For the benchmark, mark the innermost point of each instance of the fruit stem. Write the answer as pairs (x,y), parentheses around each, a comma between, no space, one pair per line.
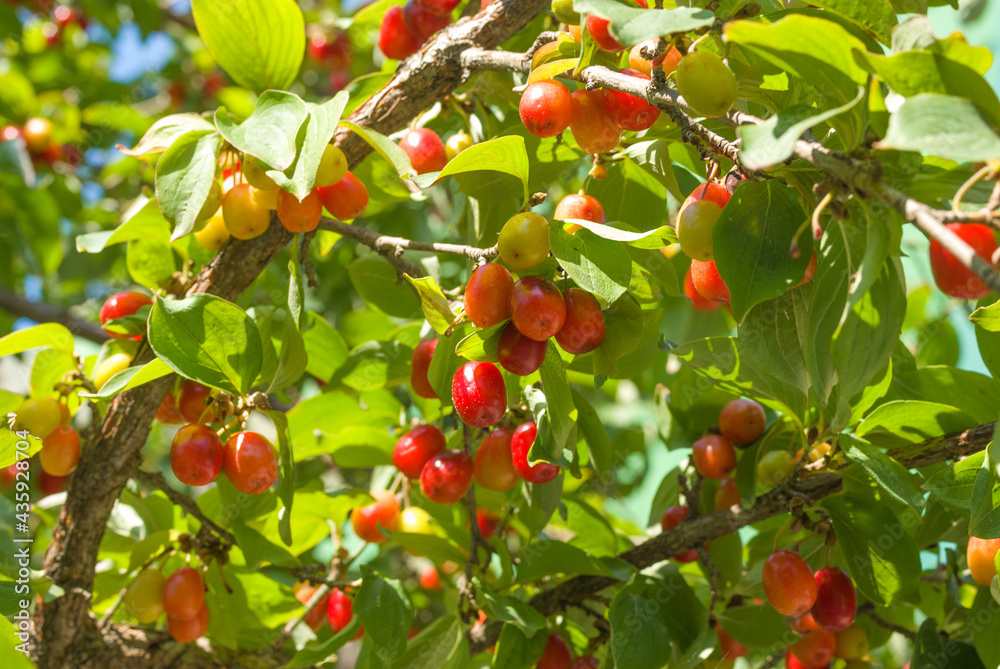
(986,172)
(818,211)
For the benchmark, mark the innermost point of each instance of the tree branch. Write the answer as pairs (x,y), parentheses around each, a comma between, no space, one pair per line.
(40,312)
(157,481)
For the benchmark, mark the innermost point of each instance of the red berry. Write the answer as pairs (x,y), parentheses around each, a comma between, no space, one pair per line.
(440,6)
(583,329)
(487,522)
(169,412)
(951,276)
(742,422)
(697,301)
(416,447)
(546,108)
(196,455)
(420,362)
(193,405)
(557,654)
(814,650)
(520,445)
(422,22)
(519,354)
(714,457)
(788,583)
(599,29)
(185,631)
(709,191)
(339,610)
(594,130)
(120,306)
(729,646)
(9,133)
(579,206)
(447,477)
(49,484)
(487,295)
(628,111)
(368,521)
(672,517)
(430,579)
(60,451)
(706,280)
(316,617)
(537,307)
(494,464)
(395,39)
(346,199)
(425,150)
(184,594)
(479,394)
(299,216)
(726,495)
(836,599)
(250,463)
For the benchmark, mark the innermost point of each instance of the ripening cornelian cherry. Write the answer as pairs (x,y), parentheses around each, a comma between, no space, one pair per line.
(697,301)
(557,654)
(815,649)
(316,617)
(520,444)
(250,463)
(852,643)
(726,495)
(120,306)
(196,455)
(185,631)
(950,275)
(730,647)
(420,362)
(339,610)
(395,39)
(546,108)
(599,29)
(422,22)
(742,421)
(584,327)
(416,447)
(60,451)
(695,227)
(479,394)
(709,191)
(668,59)
(494,464)
(836,599)
(788,583)
(579,206)
(244,218)
(980,554)
(714,457)
(194,402)
(383,514)
(628,111)
(488,522)
(169,412)
(672,517)
(594,130)
(346,199)
(299,216)
(184,594)
(144,598)
(430,579)
(443,7)
(523,241)
(707,282)
(425,150)
(537,308)
(518,354)
(447,477)
(487,295)
(706,83)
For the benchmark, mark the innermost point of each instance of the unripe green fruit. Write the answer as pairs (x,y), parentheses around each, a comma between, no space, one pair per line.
(524,240)
(563,10)
(695,225)
(706,83)
(774,467)
(212,203)
(144,597)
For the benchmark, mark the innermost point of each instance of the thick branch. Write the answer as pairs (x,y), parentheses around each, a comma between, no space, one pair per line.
(46,313)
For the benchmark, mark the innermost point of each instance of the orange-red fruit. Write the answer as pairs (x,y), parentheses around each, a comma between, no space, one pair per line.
(714,457)
(169,412)
(981,554)
(346,199)
(697,301)
(707,282)
(250,463)
(420,362)
(339,610)
(487,295)
(594,130)
(726,495)
(788,583)
(369,520)
(584,327)
(520,445)
(518,354)
(184,594)
(60,451)
(951,276)
(494,464)
(628,111)
(599,30)
(836,600)
(421,22)
(487,522)
(425,150)
(192,403)
(815,649)
(668,59)
(315,618)
(416,447)
(730,647)
(395,39)
(185,631)
(447,477)
(672,517)
(537,308)
(479,394)
(299,216)
(196,455)
(810,271)
(579,206)
(546,108)
(742,422)
(429,577)
(557,654)
(709,191)
(120,306)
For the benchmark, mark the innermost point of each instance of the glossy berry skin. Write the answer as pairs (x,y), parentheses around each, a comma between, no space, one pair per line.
(250,463)
(537,308)
(672,517)
(39,417)
(395,39)
(594,130)
(457,143)
(789,583)
(714,457)
(579,206)
(494,464)
(244,218)
(487,295)
(416,447)
(420,362)
(214,234)
(488,522)
(169,412)
(668,60)
(836,599)
(707,282)
(184,594)
(518,354)
(742,422)
(726,495)
(697,301)
(109,367)
(144,597)
(425,150)
(383,514)
(729,646)
(950,275)
(695,225)
(599,30)
(774,467)
(185,631)
(557,654)
(299,216)
(447,477)
(546,108)
(479,394)
(706,83)
(815,649)
(196,455)
(524,240)
(421,22)
(415,521)
(520,444)
(628,111)
(584,327)
(192,403)
(60,451)
(339,610)
(346,199)
(120,306)
(981,554)
(440,6)
(852,643)
(332,167)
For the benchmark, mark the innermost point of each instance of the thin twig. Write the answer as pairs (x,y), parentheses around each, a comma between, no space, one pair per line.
(869,610)
(41,312)
(475,537)
(157,481)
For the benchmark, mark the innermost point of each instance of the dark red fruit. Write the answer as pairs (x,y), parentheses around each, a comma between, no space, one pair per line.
(706,280)
(120,306)
(672,517)
(494,464)
(339,610)
(788,583)
(583,329)
(585,662)
(487,295)
(546,108)
(196,455)
(346,199)
(479,394)
(420,362)
(537,307)
(836,599)
(520,445)
(425,150)
(440,6)
(714,457)
(729,646)
(447,477)
(422,22)
(250,462)
(951,276)
(519,354)
(192,403)
(487,522)
(416,447)
(557,654)
(395,39)
(628,111)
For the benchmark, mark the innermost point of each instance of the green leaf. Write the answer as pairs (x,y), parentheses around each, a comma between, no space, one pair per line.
(755,626)
(909,422)
(640,640)
(132,377)
(987,636)
(953,486)
(876,16)
(623,322)
(184,176)
(383,146)
(326,349)
(632,25)
(437,309)
(595,434)
(259,43)
(549,557)
(376,282)
(481,344)
(558,398)
(385,611)
(9,642)
(435,646)
(150,262)
(650,239)
(145,223)
(313,138)
(944,126)
(653,156)
(881,557)
(503,154)
(515,650)
(752,239)
(976,394)
(984,520)
(889,474)
(375,364)
(540,502)
(46,335)
(207,339)
(162,134)
(271,131)
(934,650)
(510,610)
(286,489)
(293,359)
(769,335)
(9,451)
(316,654)
(988,317)
(597,265)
